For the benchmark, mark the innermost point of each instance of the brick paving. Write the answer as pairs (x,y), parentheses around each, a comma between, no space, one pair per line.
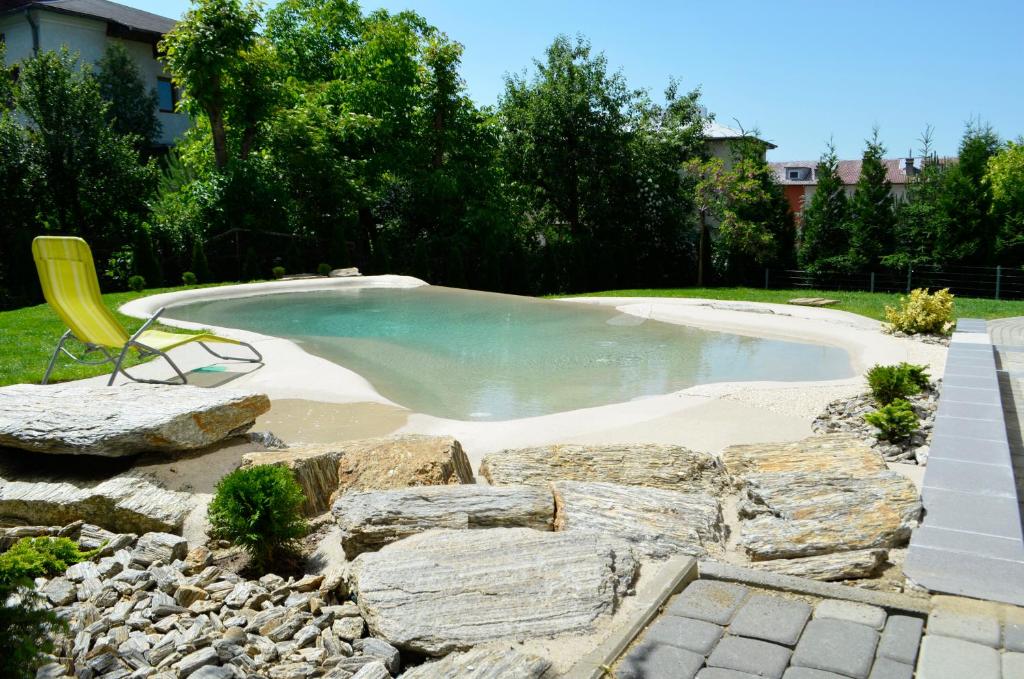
(724,630)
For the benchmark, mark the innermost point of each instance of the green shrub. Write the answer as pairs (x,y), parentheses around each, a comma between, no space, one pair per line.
(324,269)
(188,278)
(28,627)
(278,271)
(891,382)
(137,283)
(31,558)
(895,421)
(260,510)
(922,312)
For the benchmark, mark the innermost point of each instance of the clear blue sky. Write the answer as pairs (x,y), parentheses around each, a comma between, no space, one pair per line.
(799,70)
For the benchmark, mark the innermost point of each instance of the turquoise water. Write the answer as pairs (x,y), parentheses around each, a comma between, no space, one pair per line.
(481,356)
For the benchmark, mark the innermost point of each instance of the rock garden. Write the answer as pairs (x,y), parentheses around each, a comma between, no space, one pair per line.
(391,557)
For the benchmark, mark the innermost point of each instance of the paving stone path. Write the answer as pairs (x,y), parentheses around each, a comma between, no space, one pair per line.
(724,630)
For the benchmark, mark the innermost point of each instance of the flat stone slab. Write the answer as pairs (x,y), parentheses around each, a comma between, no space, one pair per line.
(838,646)
(856,563)
(979,629)
(947,658)
(851,611)
(771,618)
(75,419)
(886,668)
(371,519)
(901,639)
(751,656)
(813,301)
(449,590)
(709,600)
(831,453)
(799,514)
(656,466)
(693,635)
(651,660)
(658,523)
(123,503)
(482,663)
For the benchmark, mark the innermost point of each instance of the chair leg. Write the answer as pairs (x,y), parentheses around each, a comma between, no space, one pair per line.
(53,359)
(181,375)
(258,359)
(117,365)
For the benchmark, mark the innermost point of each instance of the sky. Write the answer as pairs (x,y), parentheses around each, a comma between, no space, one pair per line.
(799,71)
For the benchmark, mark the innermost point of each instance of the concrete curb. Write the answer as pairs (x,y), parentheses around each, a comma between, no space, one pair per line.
(674,576)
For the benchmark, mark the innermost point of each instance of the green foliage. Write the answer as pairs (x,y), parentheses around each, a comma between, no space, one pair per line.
(923,312)
(137,283)
(31,558)
(324,269)
(200,267)
(259,509)
(189,278)
(278,272)
(145,263)
(871,210)
(131,107)
(823,236)
(889,383)
(28,627)
(895,421)
(1005,176)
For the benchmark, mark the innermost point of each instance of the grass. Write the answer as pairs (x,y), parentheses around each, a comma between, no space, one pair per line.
(31,333)
(870,304)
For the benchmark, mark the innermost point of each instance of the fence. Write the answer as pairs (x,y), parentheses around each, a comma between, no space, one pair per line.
(995,282)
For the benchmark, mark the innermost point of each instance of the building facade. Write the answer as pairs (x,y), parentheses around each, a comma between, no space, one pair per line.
(28,27)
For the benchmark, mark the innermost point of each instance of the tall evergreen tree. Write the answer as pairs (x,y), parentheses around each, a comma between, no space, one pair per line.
(871,210)
(970,231)
(131,107)
(920,217)
(824,236)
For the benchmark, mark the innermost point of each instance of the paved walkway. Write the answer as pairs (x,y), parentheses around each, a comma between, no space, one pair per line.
(724,630)
(1008,339)
(970,541)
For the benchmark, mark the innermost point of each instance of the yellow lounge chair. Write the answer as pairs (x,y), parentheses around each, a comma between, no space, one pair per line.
(70,286)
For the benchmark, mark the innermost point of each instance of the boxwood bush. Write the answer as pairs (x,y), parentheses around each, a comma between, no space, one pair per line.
(891,382)
(895,421)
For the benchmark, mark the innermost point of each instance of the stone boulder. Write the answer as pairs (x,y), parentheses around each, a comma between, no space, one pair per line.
(657,466)
(327,470)
(123,503)
(450,590)
(371,519)
(657,523)
(77,419)
(801,514)
(858,563)
(830,453)
(482,663)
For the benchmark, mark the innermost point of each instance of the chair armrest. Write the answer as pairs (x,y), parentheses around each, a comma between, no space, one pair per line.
(149,322)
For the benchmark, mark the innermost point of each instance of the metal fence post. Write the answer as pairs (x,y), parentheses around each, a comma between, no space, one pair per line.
(910,270)
(872,281)
(766,279)
(999,277)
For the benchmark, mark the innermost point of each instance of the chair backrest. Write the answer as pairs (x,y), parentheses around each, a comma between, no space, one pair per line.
(68,277)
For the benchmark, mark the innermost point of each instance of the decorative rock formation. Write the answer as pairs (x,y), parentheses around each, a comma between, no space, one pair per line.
(449,590)
(482,663)
(371,519)
(657,523)
(859,563)
(76,419)
(831,454)
(656,466)
(123,503)
(329,469)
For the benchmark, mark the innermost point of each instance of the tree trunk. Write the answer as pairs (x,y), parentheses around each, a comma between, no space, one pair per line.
(220,137)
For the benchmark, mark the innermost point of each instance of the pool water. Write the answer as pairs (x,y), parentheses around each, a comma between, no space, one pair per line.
(481,356)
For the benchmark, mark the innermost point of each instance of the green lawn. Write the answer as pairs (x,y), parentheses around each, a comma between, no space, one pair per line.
(30,334)
(871,304)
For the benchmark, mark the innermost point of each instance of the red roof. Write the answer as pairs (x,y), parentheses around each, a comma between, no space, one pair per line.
(849,170)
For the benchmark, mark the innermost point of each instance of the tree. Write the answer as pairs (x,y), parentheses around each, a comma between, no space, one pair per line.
(1005,178)
(824,236)
(970,232)
(921,216)
(131,108)
(871,209)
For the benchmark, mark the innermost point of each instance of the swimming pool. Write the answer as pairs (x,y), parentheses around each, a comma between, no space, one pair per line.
(472,355)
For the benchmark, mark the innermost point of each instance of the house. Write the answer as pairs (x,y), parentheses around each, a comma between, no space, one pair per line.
(799,178)
(721,139)
(28,27)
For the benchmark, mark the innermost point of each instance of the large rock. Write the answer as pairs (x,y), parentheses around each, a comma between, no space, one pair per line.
(807,513)
(449,590)
(76,419)
(859,563)
(371,519)
(327,470)
(657,523)
(657,466)
(483,663)
(830,453)
(123,503)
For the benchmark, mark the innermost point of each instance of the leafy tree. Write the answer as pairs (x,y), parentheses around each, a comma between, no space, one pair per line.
(1005,177)
(871,209)
(310,34)
(131,107)
(823,236)
(145,262)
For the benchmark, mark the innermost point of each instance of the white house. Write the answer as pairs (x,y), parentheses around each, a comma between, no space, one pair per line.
(721,139)
(87,27)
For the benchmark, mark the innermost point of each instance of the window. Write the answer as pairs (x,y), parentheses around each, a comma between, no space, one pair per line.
(166,95)
(794,174)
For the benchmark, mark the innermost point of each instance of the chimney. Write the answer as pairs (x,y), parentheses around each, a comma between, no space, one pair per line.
(908,166)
